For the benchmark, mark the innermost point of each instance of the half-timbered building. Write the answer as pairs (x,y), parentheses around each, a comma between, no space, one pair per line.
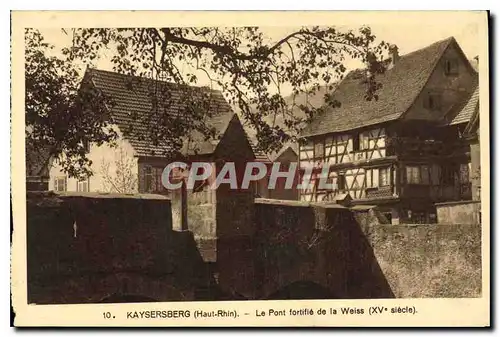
(404,151)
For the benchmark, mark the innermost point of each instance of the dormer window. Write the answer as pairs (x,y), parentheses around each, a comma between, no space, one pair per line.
(433,101)
(451,67)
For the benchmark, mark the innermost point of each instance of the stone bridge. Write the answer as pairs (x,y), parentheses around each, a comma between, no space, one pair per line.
(298,250)
(101,248)
(92,248)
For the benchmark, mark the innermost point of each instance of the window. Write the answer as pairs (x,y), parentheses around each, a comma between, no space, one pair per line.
(464,174)
(152,179)
(60,184)
(433,101)
(159,183)
(319,149)
(418,174)
(82,186)
(364,141)
(451,67)
(424,174)
(369,178)
(372,178)
(355,142)
(412,175)
(448,175)
(341,181)
(384,176)
(148,178)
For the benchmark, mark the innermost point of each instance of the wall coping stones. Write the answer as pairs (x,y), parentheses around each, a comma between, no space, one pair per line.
(459,202)
(98,195)
(295,203)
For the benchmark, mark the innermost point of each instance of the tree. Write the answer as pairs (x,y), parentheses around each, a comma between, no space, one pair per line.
(240,61)
(122,177)
(60,118)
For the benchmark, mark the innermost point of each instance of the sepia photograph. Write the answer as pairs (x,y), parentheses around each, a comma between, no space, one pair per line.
(254,162)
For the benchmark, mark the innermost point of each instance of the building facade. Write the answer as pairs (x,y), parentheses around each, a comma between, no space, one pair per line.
(404,151)
(136,163)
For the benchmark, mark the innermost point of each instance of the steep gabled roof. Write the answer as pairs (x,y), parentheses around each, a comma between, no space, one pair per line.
(133,102)
(401,84)
(252,139)
(293,146)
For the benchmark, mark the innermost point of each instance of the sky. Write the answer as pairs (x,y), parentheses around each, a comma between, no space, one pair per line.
(408,35)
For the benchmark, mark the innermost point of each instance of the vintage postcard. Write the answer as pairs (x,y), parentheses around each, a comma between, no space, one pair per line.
(250,169)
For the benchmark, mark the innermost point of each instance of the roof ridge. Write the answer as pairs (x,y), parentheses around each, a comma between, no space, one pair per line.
(110,83)
(447,40)
(401,85)
(402,56)
(91,70)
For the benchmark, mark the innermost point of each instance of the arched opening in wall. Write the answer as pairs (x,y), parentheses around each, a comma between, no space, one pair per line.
(127,298)
(301,290)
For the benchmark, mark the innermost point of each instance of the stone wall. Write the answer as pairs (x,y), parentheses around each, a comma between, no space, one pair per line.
(475,173)
(429,260)
(235,233)
(459,212)
(297,242)
(83,248)
(90,248)
(349,257)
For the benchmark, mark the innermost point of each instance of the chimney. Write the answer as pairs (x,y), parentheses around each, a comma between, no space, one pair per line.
(394,55)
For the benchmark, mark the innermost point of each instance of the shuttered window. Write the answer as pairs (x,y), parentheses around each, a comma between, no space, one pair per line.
(152,179)
(60,184)
(82,186)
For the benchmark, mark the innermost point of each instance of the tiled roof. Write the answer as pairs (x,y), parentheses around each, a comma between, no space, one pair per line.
(133,102)
(252,139)
(466,109)
(472,128)
(400,86)
(288,145)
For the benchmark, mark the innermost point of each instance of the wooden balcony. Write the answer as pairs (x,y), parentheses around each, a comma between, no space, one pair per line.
(437,193)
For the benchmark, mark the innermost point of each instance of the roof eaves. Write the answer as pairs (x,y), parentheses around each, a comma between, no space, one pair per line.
(373,122)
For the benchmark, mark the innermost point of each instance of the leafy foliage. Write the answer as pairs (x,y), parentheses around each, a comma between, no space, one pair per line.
(61,118)
(250,70)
